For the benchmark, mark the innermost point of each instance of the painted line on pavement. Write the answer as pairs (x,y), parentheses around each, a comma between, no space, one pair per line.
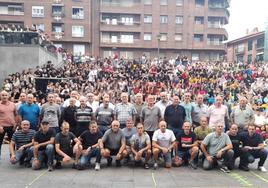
(32,182)
(260,177)
(241,179)
(153,179)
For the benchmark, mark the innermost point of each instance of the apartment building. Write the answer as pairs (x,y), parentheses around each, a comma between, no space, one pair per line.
(129,28)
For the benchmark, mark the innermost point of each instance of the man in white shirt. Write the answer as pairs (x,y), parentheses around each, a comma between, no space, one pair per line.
(164,141)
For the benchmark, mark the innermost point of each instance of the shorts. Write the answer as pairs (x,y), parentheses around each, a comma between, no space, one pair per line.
(184,155)
(113,152)
(167,158)
(69,153)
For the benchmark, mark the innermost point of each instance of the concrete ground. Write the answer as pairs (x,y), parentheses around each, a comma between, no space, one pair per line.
(14,176)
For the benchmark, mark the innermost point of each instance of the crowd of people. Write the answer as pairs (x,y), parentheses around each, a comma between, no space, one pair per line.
(171,111)
(17,34)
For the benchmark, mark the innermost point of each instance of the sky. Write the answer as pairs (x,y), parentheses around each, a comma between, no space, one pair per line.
(246,14)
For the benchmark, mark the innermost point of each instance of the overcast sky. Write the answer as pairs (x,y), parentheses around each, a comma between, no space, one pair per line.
(246,14)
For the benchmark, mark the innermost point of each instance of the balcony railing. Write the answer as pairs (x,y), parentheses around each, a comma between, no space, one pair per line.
(119,41)
(120,23)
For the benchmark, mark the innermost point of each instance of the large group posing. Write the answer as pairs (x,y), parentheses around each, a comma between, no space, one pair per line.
(168,113)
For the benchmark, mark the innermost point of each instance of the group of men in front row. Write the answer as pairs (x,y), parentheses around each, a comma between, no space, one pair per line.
(41,148)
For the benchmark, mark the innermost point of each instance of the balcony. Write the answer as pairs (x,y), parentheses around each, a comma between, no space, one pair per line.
(136,43)
(12,9)
(114,7)
(219,12)
(218,31)
(57,35)
(120,27)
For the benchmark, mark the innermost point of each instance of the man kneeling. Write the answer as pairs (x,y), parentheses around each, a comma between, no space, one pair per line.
(22,141)
(112,143)
(141,145)
(163,142)
(67,146)
(90,143)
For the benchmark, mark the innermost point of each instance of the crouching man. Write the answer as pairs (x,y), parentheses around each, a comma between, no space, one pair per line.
(217,148)
(163,142)
(141,145)
(21,149)
(113,143)
(90,144)
(44,147)
(67,146)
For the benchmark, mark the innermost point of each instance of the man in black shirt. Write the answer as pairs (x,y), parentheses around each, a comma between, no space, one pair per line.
(253,148)
(187,147)
(236,140)
(175,115)
(68,115)
(43,146)
(67,145)
(90,145)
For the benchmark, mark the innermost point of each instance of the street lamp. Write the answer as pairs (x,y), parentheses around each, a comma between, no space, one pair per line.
(158,46)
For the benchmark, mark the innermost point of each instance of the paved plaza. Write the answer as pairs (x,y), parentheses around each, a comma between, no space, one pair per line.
(126,177)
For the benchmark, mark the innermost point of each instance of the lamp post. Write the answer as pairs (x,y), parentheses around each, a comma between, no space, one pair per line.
(158,46)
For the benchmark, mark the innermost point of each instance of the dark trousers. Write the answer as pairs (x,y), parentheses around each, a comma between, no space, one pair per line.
(9,131)
(249,156)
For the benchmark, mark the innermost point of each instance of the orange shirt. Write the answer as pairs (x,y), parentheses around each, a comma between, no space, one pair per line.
(8,113)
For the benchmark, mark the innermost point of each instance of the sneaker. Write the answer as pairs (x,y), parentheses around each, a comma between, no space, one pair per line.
(109,161)
(50,168)
(243,167)
(225,169)
(262,169)
(118,163)
(192,165)
(97,166)
(155,166)
(146,166)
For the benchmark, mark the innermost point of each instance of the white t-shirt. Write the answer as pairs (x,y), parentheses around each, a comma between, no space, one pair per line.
(164,139)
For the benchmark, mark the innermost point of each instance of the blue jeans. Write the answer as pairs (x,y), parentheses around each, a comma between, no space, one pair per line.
(24,155)
(48,153)
(94,152)
(249,156)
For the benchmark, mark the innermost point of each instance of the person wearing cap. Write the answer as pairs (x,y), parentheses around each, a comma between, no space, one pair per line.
(20,147)
(66,146)
(113,143)
(44,147)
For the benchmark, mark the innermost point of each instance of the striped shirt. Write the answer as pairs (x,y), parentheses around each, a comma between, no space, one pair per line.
(21,138)
(84,115)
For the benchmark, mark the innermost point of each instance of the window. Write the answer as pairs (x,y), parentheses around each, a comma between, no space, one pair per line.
(178,37)
(250,58)
(195,57)
(260,43)
(250,45)
(77,31)
(126,54)
(78,49)
(199,20)
(163,37)
(147,2)
(114,21)
(179,20)
(107,53)
(78,13)
(127,20)
(163,2)
(39,27)
(240,48)
(163,19)
(57,10)
(147,36)
(179,2)
(114,38)
(38,11)
(127,39)
(57,27)
(199,3)
(148,18)
(198,37)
